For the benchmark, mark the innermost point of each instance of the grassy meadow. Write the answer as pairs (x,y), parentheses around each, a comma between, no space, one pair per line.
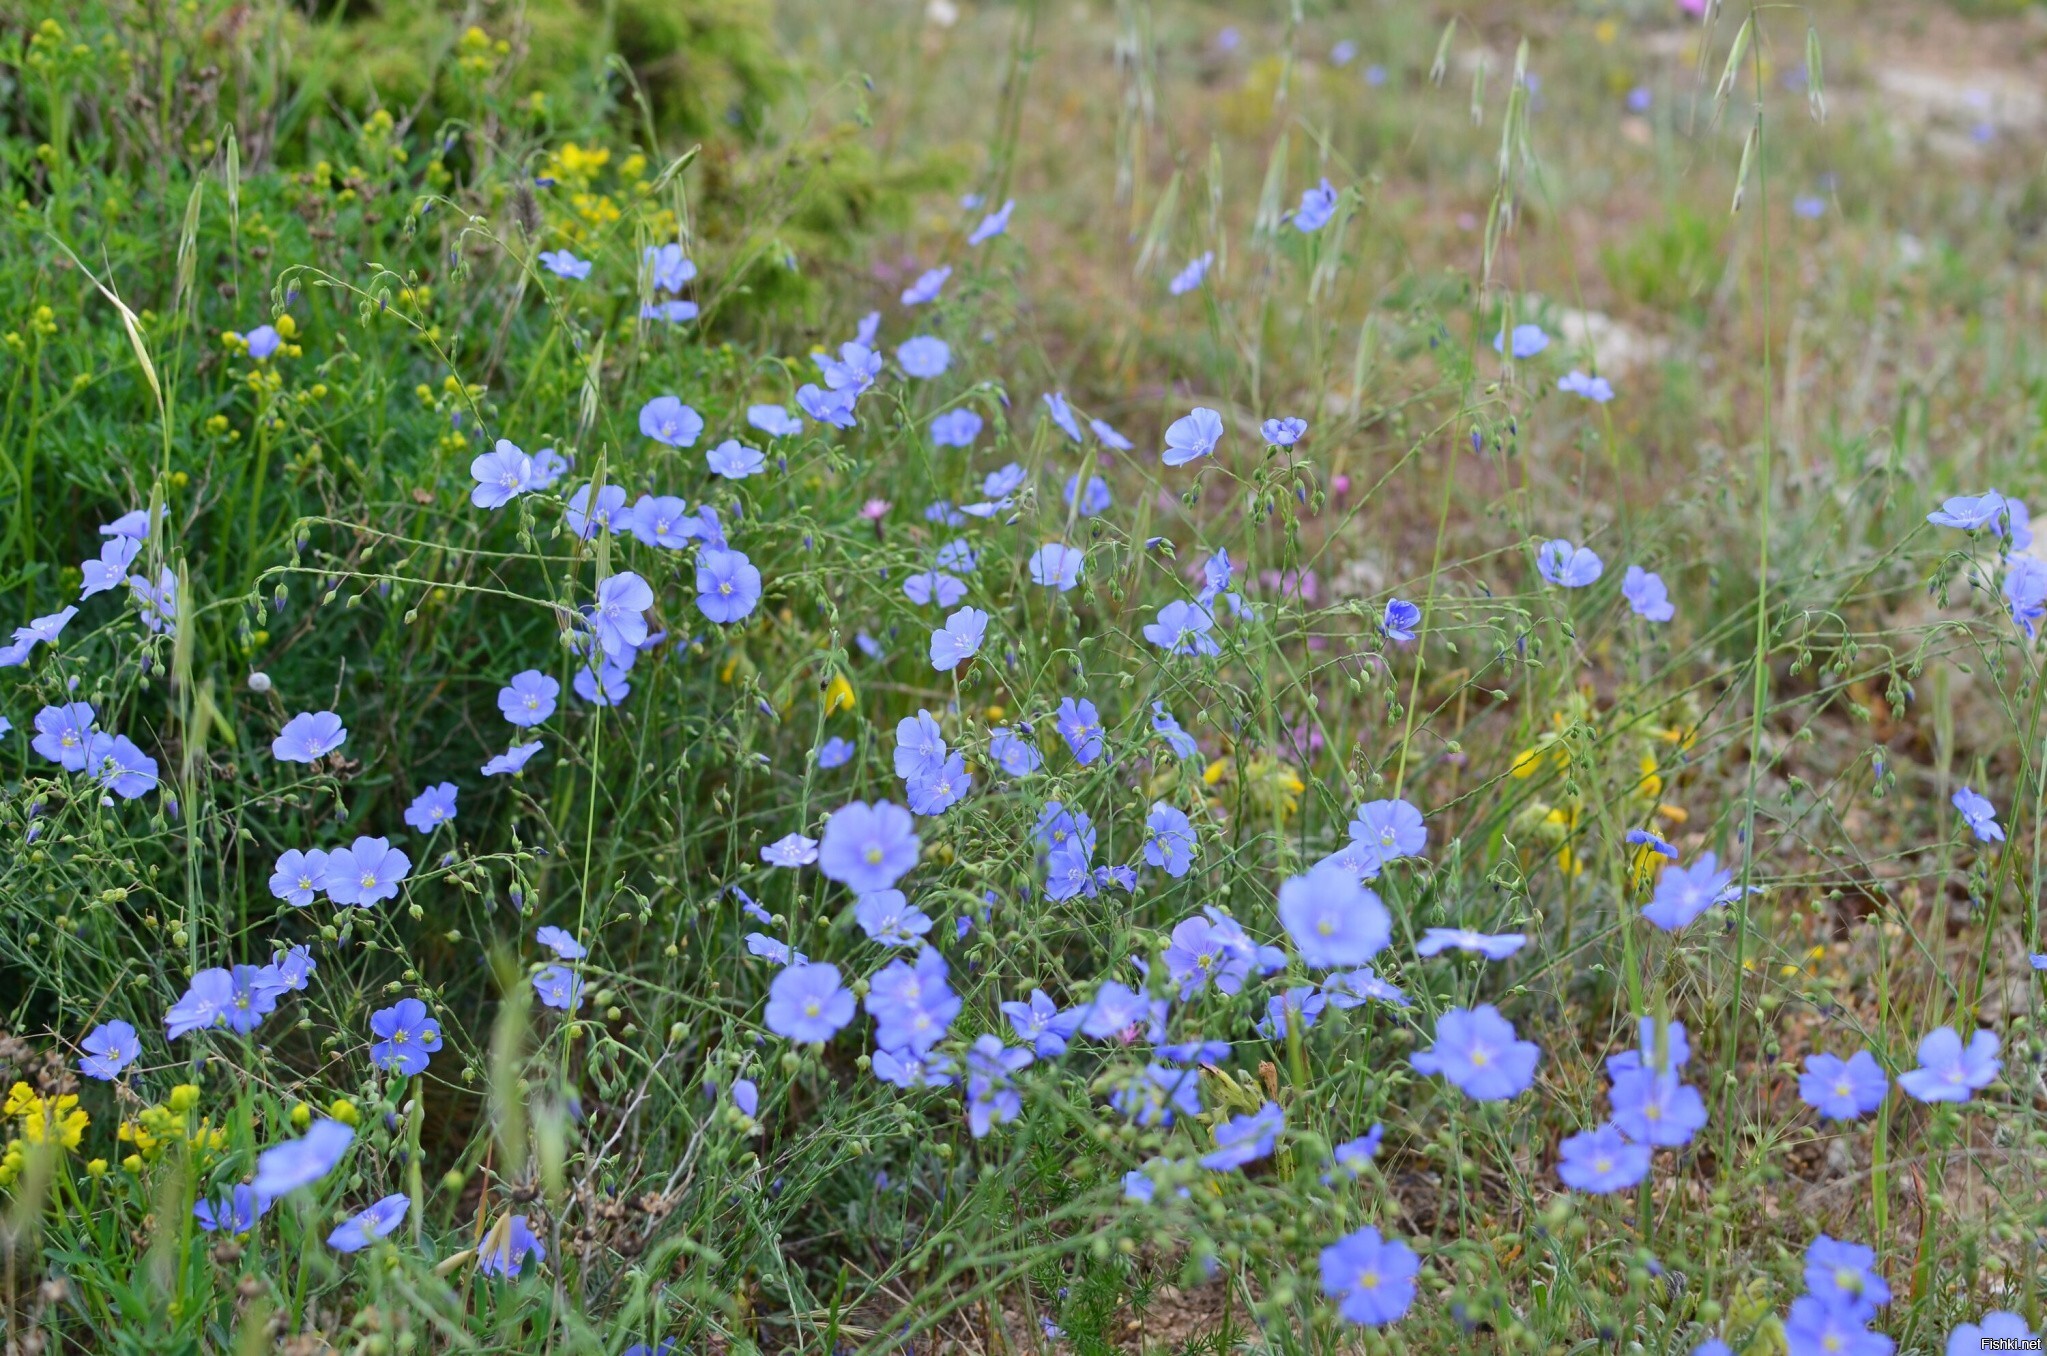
(1057,676)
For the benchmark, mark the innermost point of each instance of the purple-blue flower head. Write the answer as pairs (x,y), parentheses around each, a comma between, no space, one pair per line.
(1843,1089)
(1596,389)
(807,1003)
(1494,946)
(2025,593)
(734,460)
(1970,512)
(774,420)
(728,585)
(406,1037)
(308,737)
(1478,1052)
(529,698)
(235,1213)
(1392,829)
(1154,1095)
(1979,814)
(923,357)
(1400,620)
(1814,1327)
(562,264)
(1189,278)
(669,422)
(619,614)
(668,268)
(868,847)
(2000,1330)
(507,1246)
(432,808)
(1061,413)
(1371,1278)
(1246,1139)
(1283,432)
(512,761)
(1655,1108)
(927,287)
(1683,893)
(1183,628)
(1318,205)
(959,639)
(955,428)
(934,586)
(791,850)
(934,789)
(992,1097)
(1192,436)
(1845,1274)
(501,474)
(111,1047)
(1169,839)
(1332,918)
(1646,595)
(366,872)
(1056,565)
(1528,340)
(1042,1025)
(119,766)
(888,917)
(380,1219)
(1178,740)
(1353,988)
(557,986)
(1080,726)
(834,752)
(558,940)
(1602,1161)
(1567,565)
(63,734)
(992,225)
(1950,1071)
(912,1005)
(610,514)
(1094,499)
(285,1168)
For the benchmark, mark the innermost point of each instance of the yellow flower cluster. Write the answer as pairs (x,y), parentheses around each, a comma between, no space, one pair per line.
(57,1121)
(1558,824)
(155,1127)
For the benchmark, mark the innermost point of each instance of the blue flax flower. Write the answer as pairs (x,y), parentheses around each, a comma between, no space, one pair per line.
(406,1037)
(912,1005)
(1568,565)
(959,639)
(285,1168)
(1950,1071)
(1843,1089)
(868,847)
(1478,1052)
(432,807)
(1333,919)
(111,1047)
(807,1003)
(1601,1161)
(1192,436)
(309,737)
(1979,814)
(1246,1139)
(358,1232)
(1371,1278)
(992,1098)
